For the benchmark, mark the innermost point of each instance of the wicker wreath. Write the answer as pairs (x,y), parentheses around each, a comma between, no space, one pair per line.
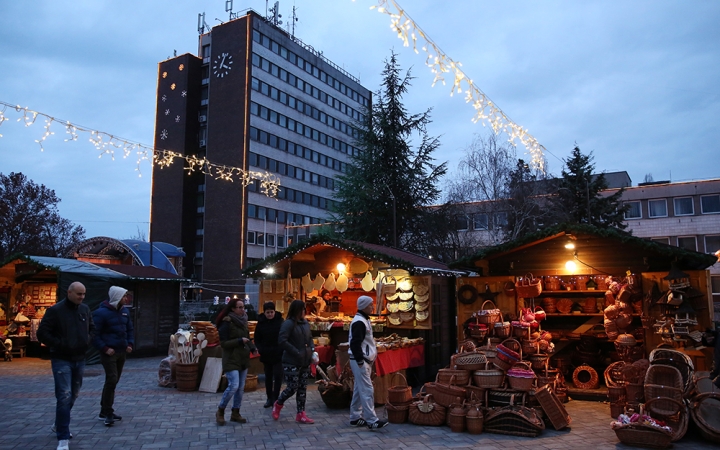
(593,383)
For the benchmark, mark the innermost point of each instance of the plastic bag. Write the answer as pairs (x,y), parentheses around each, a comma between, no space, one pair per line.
(166,372)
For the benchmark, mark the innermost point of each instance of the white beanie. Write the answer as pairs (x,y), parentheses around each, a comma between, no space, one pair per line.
(363,302)
(116,294)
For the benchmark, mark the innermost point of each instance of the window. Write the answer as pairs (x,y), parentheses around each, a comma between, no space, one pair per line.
(710,204)
(715,287)
(657,208)
(281,241)
(663,240)
(688,243)
(271,240)
(634,210)
(712,244)
(501,219)
(251,237)
(683,206)
(480,221)
(260,240)
(461,222)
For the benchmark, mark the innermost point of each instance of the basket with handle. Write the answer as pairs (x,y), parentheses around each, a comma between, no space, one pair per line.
(427,412)
(469,361)
(489,378)
(447,394)
(640,435)
(400,394)
(509,288)
(397,414)
(474,420)
(502,329)
(488,316)
(528,286)
(456,417)
(521,376)
(453,376)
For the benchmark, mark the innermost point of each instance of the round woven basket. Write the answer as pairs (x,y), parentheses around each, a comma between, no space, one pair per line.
(585,377)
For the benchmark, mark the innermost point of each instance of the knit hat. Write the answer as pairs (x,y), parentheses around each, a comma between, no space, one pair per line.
(269,306)
(116,294)
(363,302)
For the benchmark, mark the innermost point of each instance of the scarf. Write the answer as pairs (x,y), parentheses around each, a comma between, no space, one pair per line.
(238,319)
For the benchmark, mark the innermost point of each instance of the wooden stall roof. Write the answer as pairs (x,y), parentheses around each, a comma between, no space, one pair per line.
(391,257)
(605,250)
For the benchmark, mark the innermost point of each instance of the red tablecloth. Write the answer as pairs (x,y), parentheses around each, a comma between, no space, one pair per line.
(402,358)
(325,353)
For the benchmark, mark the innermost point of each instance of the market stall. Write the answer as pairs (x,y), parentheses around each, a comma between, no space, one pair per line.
(412,296)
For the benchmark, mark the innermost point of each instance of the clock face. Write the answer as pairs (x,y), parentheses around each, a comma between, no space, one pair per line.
(222,65)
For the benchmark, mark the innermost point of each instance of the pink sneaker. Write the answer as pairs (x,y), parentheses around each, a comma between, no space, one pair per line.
(276,410)
(302,418)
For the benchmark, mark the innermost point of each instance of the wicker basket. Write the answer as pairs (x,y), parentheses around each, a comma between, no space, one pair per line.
(705,411)
(401,393)
(539,361)
(592,383)
(453,376)
(616,409)
(489,318)
(397,414)
(638,435)
(489,378)
(528,286)
(502,330)
(672,412)
(474,422)
(614,374)
(469,361)
(553,407)
(251,382)
(427,412)
(456,418)
(335,396)
(509,289)
(521,377)
(514,421)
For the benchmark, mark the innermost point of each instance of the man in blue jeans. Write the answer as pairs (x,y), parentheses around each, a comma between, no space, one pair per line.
(67,329)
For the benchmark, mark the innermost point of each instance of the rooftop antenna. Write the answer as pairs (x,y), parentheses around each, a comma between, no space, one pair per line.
(294,19)
(202,25)
(275,10)
(229,8)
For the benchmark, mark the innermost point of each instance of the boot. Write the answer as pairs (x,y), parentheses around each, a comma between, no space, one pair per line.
(276,410)
(302,418)
(220,416)
(236,417)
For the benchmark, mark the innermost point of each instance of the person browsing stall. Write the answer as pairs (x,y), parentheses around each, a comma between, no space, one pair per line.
(267,333)
(362,357)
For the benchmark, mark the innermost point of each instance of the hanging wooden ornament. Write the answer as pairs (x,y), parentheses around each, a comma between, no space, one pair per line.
(330,282)
(307,283)
(318,282)
(342,283)
(367,282)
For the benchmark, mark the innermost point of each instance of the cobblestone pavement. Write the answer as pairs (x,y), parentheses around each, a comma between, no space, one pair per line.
(156,417)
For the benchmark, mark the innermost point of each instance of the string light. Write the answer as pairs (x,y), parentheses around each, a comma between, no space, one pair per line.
(441,65)
(108,144)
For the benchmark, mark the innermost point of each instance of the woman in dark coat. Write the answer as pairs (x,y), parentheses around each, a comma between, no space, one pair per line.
(232,323)
(297,342)
(267,332)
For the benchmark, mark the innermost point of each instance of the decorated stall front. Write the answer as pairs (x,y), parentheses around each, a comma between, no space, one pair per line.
(591,313)
(412,302)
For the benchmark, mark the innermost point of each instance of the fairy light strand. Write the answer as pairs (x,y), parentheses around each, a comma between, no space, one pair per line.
(107,144)
(441,65)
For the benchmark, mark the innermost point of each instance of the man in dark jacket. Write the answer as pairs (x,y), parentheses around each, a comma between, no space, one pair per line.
(114,338)
(266,340)
(67,329)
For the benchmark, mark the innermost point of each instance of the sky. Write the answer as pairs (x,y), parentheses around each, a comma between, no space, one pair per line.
(635,83)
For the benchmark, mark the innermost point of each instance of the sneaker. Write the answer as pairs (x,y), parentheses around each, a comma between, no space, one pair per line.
(276,410)
(114,417)
(378,424)
(109,421)
(302,418)
(358,423)
(63,444)
(54,430)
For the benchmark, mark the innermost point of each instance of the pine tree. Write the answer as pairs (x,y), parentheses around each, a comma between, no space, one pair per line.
(380,197)
(578,199)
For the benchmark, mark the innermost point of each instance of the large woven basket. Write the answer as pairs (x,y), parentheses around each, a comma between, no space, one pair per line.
(453,376)
(397,414)
(427,412)
(524,381)
(474,423)
(456,418)
(672,412)
(447,394)
(488,378)
(528,286)
(705,411)
(401,393)
(638,435)
(469,361)
(489,318)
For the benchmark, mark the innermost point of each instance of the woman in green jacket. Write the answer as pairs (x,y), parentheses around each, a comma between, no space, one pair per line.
(232,323)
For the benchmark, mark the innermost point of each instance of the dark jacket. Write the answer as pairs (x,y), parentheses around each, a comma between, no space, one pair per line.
(297,343)
(113,328)
(267,333)
(67,329)
(236,355)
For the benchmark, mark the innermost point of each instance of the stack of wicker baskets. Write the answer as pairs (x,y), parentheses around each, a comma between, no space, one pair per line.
(398,400)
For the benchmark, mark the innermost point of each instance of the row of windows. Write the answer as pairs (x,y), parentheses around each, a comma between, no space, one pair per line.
(279,167)
(712,243)
(309,68)
(282,74)
(682,206)
(282,217)
(296,149)
(305,108)
(296,196)
(266,239)
(301,129)
(480,221)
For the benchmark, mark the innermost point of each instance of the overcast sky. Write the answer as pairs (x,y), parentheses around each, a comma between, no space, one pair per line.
(634,82)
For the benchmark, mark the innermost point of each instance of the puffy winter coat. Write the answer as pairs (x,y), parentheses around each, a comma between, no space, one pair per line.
(236,355)
(67,330)
(267,333)
(113,328)
(297,343)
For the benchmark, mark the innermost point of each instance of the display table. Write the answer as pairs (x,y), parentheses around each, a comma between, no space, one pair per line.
(402,358)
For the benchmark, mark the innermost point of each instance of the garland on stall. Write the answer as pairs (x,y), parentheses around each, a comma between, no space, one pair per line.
(107,144)
(440,64)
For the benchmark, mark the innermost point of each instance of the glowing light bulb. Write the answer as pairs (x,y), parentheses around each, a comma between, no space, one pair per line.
(341,267)
(570,266)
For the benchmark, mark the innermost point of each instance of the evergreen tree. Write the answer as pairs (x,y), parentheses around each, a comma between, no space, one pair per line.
(525,200)
(380,197)
(578,198)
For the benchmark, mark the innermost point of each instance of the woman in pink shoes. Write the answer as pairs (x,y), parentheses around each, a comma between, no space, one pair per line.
(296,341)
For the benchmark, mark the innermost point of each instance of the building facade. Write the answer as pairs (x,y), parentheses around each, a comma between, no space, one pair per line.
(258,99)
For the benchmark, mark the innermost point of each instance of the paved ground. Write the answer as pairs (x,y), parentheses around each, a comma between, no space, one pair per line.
(155,417)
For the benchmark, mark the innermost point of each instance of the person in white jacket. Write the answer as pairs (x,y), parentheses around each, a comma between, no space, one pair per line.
(362,357)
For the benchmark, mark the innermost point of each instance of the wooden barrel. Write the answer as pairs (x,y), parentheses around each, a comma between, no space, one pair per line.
(186,376)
